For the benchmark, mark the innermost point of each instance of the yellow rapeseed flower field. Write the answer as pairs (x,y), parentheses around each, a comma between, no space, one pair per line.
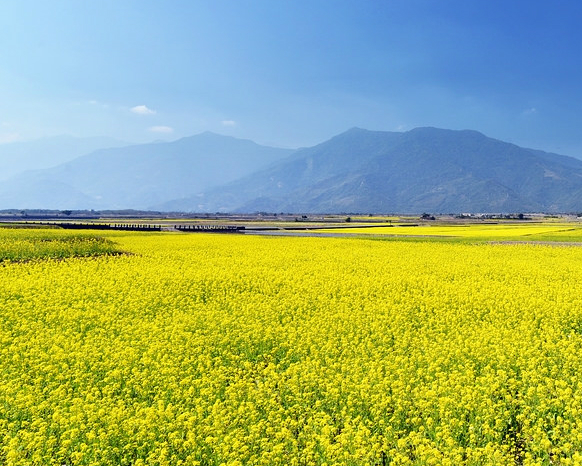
(526,231)
(200,349)
(30,244)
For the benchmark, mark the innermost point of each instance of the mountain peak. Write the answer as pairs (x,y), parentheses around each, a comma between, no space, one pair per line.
(211,134)
(359,133)
(357,129)
(434,130)
(208,135)
(454,134)
(426,169)
(141,175)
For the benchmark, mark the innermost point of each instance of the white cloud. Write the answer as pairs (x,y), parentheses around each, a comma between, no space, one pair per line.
(9,137)
(142,110)
(529,111)
(96,103)
(161,129)
(228,123)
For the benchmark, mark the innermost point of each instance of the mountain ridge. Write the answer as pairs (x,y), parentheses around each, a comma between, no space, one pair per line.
(139,175)
(424,169)
(20,156)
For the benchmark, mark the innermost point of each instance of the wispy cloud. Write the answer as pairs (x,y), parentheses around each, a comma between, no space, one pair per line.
(529,111)
(9,137)
(7,133)
(142,110)
(96,102)
(228,123)
(161,129)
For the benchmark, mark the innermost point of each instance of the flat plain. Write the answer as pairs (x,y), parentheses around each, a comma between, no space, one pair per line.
(208,349)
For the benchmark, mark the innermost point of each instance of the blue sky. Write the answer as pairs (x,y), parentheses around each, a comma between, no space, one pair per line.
(291,73)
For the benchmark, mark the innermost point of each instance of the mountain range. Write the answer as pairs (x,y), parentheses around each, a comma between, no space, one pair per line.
(422,170)
(138,176)
(47,152)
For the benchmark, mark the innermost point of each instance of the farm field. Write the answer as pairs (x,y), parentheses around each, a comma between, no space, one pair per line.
(18,245)
(543,231)
(208,349)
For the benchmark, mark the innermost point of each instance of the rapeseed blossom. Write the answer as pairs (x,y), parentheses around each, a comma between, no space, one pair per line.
(200,349)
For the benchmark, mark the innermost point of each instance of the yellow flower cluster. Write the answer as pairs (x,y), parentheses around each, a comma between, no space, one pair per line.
(30,244)
(203,349)
(529,231)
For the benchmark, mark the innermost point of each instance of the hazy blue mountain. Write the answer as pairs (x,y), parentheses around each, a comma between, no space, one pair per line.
(422,170)
(138,176)
(54,194)
(48,152)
